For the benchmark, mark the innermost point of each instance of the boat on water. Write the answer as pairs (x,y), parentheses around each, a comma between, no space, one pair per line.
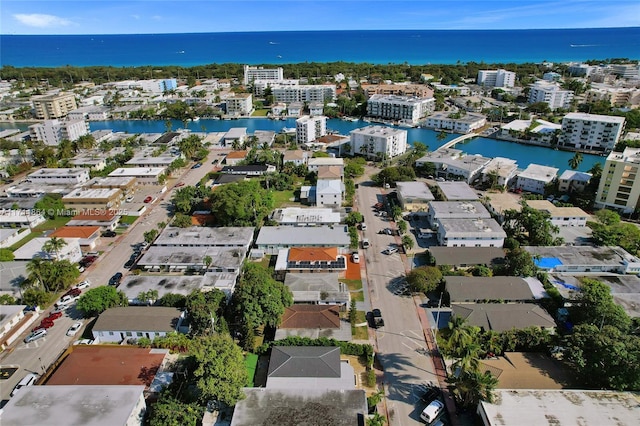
(195,119)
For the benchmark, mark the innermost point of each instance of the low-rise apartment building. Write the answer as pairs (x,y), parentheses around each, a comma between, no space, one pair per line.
(561,216)
(573,181)
(470,233)
(535,178)
(466,123)
(500,169)
(62,176)
(454,164)
(143,175)
(402,108)
(52,132)
(93,198)
(239,104)
(413,196)
(551,94)
(378,142)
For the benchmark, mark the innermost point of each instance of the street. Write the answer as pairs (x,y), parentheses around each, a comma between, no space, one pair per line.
(401,344)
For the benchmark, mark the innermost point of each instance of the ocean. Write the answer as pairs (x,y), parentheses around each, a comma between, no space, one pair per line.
(414,47)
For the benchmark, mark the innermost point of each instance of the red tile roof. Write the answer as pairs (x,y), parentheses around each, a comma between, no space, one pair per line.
(311,316)
(237,154)
(75,232)
(313,254)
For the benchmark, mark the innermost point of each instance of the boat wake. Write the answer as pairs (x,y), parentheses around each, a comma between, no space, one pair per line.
(584,45)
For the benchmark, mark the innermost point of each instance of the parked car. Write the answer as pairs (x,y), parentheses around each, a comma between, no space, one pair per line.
(109,234)
(431,394)
(83,284)
(355,258)
(179,184)
(54,315)
(115,279)
(28,380)
(378,321)
(432,411)
(390,250)
(83,342)
(73,291)
(197,166)
(129,199)
(44,324)
(129,264)
(35,335)
(87,261)
(66,300)
(148,199)
(59,309)
(363,226)
(75,327)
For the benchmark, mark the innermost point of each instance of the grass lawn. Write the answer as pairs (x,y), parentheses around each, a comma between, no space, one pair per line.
(355,287)
(360,333)
(283,198)
(128,219)
(250,363)
(260,113)
(39,230)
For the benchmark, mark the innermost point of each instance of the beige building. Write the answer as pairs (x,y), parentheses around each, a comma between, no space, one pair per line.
(49,107)
(620,184)
(100,198)
(240,104)
(417,90)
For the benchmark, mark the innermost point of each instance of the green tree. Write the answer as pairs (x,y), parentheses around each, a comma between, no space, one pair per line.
(204,308)
(518,263)
(53,275)
(149,297)
(51,204)
(471,387)
(353,313)
(481,271)
(396,213)
(402,226)
(54,245)
(531,227)
(575,161)
(181,221)
(150,235)
(169,411)
(260,297)
(207,261)
(595,305)
(220,372)
(6,255)
(35,297)
(407,242)
(243,203)
(99,299)
(6,299)
(391,175)
(424,279)
(353,218)
(172,299)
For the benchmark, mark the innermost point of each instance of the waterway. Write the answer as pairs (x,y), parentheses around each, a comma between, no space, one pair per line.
(523,154)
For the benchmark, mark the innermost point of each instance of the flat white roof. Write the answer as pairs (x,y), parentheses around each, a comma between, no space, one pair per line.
(594,117)
(378,130)
(58,172)
(536,407)
(455,191)
(538,172)
(96,193)
(414,190)
(138,171)
(299,215)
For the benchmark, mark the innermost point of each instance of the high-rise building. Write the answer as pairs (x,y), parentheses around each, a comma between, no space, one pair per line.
(551,94)
(51,132)
(308,129)
(375,142)
(591,132)
(49,107)
(619,187)
(496,78)
(259,73)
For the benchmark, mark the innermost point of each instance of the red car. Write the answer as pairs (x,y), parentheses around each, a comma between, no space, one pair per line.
(44,324)
(148,199)
(73,292)
(54,316)
(179,184)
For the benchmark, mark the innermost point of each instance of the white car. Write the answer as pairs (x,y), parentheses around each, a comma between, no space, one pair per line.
(129,199)
(82,285)
(74,329)
(67,300)
(28,380)
(390,250)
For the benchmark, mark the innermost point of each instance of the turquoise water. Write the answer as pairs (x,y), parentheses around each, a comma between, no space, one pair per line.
(523,154)
(415,47)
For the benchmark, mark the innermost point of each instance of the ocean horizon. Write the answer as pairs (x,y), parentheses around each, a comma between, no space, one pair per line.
(413,47)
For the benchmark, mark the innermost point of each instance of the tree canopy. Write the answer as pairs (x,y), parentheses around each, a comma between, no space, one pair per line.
(595,305)
(424,279)
(54,275)
(99,299)
(391,175)
(531,227)
(260,298)
(243,203)
(202,308)
(609,230)
(220,372)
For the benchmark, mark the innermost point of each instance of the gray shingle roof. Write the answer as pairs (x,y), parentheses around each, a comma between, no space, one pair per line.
(304,361)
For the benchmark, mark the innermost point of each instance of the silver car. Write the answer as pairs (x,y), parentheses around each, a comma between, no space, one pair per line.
(39,333)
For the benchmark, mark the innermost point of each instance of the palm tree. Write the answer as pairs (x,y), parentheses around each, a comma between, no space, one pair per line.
(468,358)
(34,268)
(54,245)
(207,260)
(574,162)
(472,387)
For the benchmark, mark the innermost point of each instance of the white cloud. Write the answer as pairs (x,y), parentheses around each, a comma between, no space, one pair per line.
(136,17)
(41,21)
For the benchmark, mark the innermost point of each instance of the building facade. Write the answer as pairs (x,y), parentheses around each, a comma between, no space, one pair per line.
(259,73)
(535,177)
(303,93)
(463,124)
(496,78)
(240,104)
(308,129)
(406,108)
(591,131)
(49,107)
(551,94)
(620,183)
(52,132)
(60,176)
(378,141)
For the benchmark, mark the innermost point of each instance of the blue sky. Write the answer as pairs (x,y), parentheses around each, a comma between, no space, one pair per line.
(180,16)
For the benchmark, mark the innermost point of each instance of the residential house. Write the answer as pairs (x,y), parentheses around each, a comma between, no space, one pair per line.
(250,170)
(236,136)
(500,169)
(309,260)
(561,216)
(88,236)
(299,216)
(504,316)
(329,186)
(484,289)
(455,164)
(264,137)
(314,164)
(295,109)
(234,157)
(34,248)
(499,203)
(107,220)
(11,319)
(134,322)
(318,289)
(573,181)
(297,157)
(313,321)
(309,367)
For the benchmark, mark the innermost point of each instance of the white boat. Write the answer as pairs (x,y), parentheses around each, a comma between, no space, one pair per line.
(195,119)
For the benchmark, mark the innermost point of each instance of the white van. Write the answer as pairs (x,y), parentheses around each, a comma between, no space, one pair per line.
(365,243)
(432,411)
(28,380)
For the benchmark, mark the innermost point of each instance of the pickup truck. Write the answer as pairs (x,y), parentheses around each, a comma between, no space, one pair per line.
(66,300)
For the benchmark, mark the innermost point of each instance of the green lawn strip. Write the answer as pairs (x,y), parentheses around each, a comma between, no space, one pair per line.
(355,288)
(39,230)
(260,113)
(128,220)
(360,333)
(283,198)
(251,363)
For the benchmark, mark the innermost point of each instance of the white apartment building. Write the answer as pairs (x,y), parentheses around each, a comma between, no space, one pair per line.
(406,108)
(157,86)
(48,107)
(561,216)
(454,164)
(465,124)
(304,93)
(143,175)
(259,86)
(616,96)
(504,169)
(591,131)
(314,164)
(376,141)
(573,181)
(59,176)
(551,94)
(535,177)
(470,233)
(239,104)
(496,78)
(626,70)
(620,182)
(308,129)
(51,132)
(258,73)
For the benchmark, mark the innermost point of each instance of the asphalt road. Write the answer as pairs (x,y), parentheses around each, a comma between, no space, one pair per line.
(401,340)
